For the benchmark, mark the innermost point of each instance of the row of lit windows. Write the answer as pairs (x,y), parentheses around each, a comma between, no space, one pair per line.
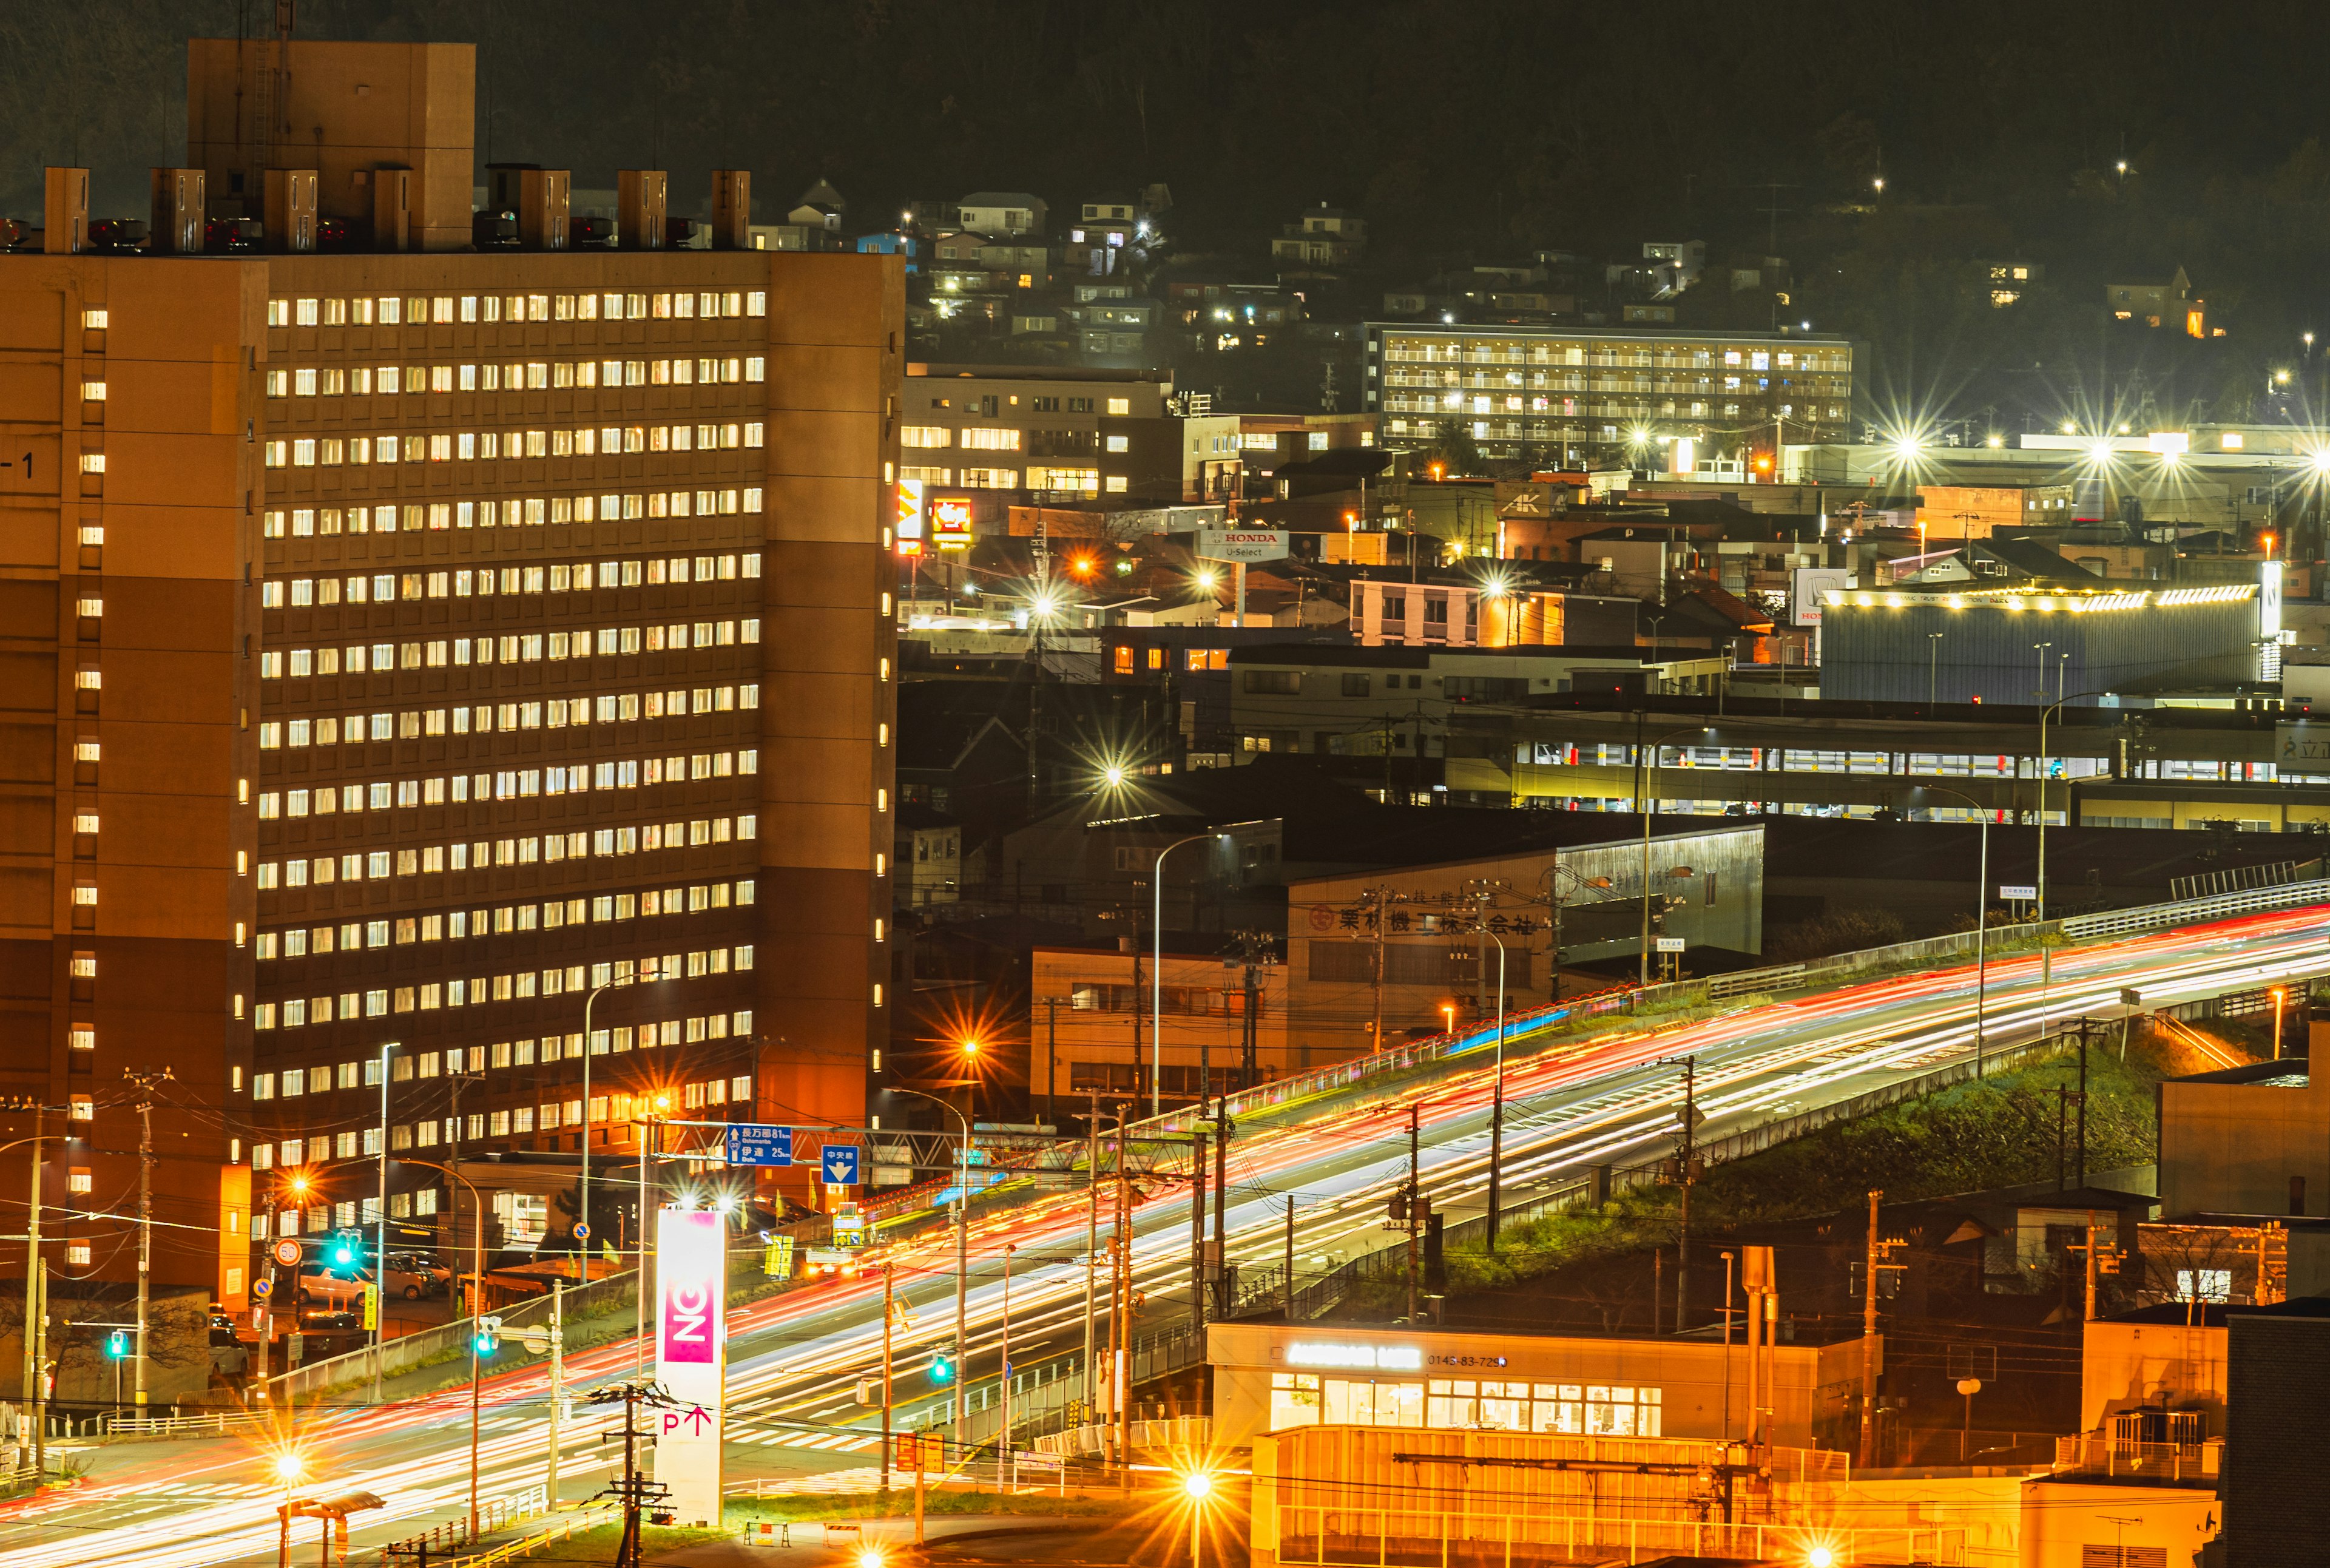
(579,778)
(515,648)
(1087,480)
(481,582)
(536,376)
(408,1066)
(495,445)
(428,859)
(531,513)
(443,309)
(298,1012)
(299,941)
(1510,351)
(413,724)
(433,995)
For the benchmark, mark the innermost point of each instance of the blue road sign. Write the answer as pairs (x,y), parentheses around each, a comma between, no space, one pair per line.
(841,1164)
(757,1144)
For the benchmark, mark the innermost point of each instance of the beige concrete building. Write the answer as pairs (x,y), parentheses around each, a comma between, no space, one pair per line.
(1090,1025)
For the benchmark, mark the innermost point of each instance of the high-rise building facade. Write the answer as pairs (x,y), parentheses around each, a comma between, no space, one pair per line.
(408,649)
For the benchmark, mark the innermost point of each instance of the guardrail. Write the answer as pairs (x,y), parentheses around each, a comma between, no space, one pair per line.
(526,1546)
(1807,974)
(498,1514)
(218,1422)
(2095,1453)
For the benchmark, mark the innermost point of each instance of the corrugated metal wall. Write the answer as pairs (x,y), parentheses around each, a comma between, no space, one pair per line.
(1885,653)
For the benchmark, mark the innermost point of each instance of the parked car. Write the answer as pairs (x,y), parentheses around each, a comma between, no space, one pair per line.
(319,1284)
(412,1284)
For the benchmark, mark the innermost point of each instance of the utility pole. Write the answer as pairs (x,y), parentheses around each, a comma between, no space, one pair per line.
(1221,1248)
(1875,1264)
(33,1253)
(633,1491)
(1092,1250)
(1290,1257)
(1052,1057)
(1197,1228)
(1415,1197)
(889,1322)
(1686,1157)
(145,1083)
(557,1377)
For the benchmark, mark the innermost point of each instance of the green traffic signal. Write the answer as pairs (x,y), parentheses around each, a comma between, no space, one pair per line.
(941,1368)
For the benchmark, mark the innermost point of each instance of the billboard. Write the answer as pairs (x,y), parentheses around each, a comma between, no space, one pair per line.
(1242,544)
(951,522)
(908,526)
(691,1358)
(1809,584)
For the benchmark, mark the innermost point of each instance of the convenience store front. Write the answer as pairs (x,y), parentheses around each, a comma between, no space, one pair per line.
(1271,1378)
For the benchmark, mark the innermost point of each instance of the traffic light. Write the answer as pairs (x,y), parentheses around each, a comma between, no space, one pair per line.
(489,1335)
(942,1368)
(117,1344)
(343,1252)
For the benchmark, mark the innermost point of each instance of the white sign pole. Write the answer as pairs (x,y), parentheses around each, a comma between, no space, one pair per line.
(691,1358)
(1240,618)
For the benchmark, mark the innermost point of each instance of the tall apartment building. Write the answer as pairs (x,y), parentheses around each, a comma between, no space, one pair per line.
(1571,395)
(405,649)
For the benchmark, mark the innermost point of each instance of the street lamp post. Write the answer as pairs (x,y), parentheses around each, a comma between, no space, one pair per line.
(477,1314)
(582,1192)
(380,1235)
(2054,707)
(1649,806)
(1981,915)
(1932,666)
(1497,1094)
(959,1399)
(1157,968)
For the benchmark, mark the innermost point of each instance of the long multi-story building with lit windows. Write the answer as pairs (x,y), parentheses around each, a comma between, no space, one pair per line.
(408,646)
(1566,396)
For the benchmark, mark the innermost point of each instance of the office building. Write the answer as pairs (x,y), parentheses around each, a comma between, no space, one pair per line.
(1570,393)
(411,646)
(1066,435)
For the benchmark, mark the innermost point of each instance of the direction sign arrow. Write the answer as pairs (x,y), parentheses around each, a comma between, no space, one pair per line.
(841,1164)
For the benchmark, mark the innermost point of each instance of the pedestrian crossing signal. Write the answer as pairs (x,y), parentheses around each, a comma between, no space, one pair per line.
(117,1344)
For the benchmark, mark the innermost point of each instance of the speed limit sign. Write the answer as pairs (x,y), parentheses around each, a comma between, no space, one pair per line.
(287,1252)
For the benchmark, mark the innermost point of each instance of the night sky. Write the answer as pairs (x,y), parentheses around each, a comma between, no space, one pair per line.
(1463,133)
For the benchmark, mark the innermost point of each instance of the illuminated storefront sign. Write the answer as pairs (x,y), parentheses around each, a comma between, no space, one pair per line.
(691,1357)
(909,517)
(951,522)
(1379,1357)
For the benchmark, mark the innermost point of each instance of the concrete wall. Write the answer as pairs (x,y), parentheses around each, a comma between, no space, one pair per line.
(2123,1366)
(2233,1148)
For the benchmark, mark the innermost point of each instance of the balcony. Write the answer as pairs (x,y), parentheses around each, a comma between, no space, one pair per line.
(2098,1453)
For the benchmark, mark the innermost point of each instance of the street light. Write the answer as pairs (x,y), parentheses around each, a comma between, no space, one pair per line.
(1157,968)
(1981,915)
(1497,1094)
(477,1315)
(2061,700)
(1198,1486)
(1648,806)
(380,1236)
(958,1400)
(647,972)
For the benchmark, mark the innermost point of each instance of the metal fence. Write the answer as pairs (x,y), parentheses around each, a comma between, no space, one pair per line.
(214,1423)
(2095,1453)
(1342,1536)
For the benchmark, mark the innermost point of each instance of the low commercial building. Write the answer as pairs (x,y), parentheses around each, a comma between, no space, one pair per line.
(1401,703)
(2247,1140)
(2127,766)
(1091,1019)
(1404,944)
(1275,1377)
(2085,645)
